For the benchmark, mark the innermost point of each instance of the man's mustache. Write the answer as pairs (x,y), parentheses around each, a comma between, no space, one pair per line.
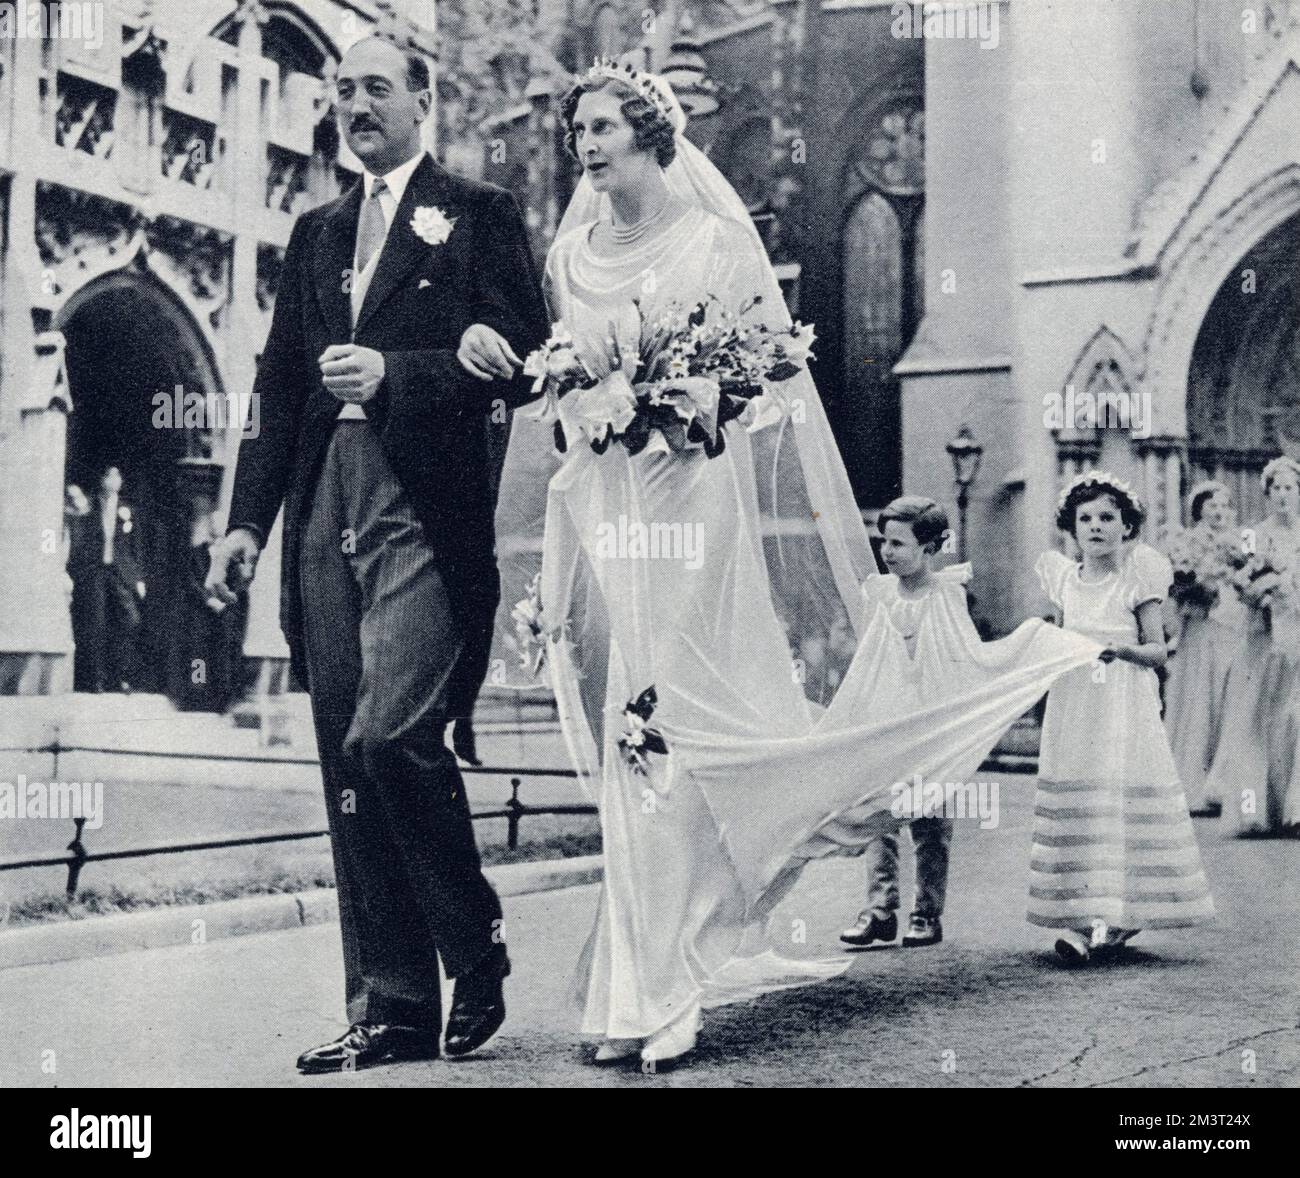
(361,123)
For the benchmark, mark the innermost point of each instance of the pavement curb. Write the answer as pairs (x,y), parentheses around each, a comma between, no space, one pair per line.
(160,928)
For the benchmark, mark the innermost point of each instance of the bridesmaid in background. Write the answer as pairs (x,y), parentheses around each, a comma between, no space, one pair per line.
(1257,764)
(1207,633)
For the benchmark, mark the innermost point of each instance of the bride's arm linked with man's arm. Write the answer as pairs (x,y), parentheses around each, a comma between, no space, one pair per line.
(506,318)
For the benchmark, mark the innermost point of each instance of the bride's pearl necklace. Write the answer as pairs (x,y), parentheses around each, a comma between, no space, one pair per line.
(627,234)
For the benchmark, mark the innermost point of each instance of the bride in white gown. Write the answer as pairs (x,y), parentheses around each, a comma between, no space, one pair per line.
(761,546)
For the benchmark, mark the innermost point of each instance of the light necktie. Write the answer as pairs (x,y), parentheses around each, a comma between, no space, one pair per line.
(108,518)
(371,229)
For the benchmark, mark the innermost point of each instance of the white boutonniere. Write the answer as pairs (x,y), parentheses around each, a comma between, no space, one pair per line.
(124,514)
(433,225)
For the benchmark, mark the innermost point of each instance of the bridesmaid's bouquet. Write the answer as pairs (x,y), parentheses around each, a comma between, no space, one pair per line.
(1260,581)
(1202,564)
(675,381)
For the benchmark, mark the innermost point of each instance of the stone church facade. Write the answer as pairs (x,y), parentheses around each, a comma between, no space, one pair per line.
(150,174)
(1054,204)
(1112,218)
(149,180)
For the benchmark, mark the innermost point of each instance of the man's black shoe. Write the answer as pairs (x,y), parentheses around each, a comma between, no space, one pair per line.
(478,1007)
(366,1045)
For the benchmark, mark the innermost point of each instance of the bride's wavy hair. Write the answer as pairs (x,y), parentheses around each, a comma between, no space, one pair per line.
(650,130)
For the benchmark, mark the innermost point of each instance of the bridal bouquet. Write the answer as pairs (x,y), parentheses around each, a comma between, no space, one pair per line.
(1202,563)
(676,380)
(531,630)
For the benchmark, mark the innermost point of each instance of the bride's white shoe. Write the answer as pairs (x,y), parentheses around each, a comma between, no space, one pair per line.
(612,1050)
(666,1047)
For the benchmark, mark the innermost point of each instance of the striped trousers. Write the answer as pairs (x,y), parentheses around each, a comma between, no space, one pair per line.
(382,651)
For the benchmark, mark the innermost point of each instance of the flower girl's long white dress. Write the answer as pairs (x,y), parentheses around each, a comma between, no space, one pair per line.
(699,848)
(1112,838)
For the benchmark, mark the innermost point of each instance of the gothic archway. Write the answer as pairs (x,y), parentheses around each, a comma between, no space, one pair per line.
(1206,263)
(290,38)
(1102,375)
(1243,394)
(130,340)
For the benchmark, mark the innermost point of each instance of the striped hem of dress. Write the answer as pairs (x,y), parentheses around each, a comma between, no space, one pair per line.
(1128,917)
(1172,813)
(1118,865)
(1127,894)
(1128,789)
(1179,842)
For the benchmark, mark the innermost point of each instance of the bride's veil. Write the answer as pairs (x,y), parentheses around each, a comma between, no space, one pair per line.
(814,539)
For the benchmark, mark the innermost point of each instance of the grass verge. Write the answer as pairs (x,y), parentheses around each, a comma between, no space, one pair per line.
(50,908)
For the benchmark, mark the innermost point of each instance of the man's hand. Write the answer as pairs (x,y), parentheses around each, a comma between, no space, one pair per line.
(352,373)
(240,547)
(484,353)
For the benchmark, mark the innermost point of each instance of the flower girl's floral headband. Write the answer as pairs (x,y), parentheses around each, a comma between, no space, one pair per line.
(1104,480)
(645,85)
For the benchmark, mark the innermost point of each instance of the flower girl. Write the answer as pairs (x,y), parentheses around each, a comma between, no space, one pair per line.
(1113,850)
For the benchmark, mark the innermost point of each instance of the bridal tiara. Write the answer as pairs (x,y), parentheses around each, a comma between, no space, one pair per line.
(646,85)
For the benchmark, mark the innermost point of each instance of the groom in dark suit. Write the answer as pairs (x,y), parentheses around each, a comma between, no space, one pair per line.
(402,310)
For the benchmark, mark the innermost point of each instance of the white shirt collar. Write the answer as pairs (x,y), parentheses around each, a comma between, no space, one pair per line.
(398,178)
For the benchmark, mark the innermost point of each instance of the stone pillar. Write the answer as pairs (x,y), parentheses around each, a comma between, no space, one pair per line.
(247,185)
(956,370)
(264,644)
(35,627)
(1075,171)
(1160,486)
(1076,165)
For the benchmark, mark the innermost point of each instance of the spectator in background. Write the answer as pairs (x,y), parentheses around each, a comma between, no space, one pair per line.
(108,588)
(75,506)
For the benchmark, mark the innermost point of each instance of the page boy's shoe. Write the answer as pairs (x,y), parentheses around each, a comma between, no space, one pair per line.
(870,929)
(922,931)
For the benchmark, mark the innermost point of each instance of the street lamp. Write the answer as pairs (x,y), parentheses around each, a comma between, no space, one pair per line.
(965,453)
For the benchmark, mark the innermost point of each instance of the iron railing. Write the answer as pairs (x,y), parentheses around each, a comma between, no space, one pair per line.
(513,811)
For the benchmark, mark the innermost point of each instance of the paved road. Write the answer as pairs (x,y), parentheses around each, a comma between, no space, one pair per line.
(989,1007)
